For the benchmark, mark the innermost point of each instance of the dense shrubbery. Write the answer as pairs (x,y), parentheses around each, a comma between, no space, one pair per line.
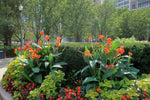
(96,71)
(140,58)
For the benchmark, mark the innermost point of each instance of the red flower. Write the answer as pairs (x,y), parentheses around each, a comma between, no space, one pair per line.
(20,87)
(21,97)
(120,50)
(46,37)
(57,43)
(81,98)
(141,95)
(101,37)
(97,89)
(68,96)
(106,50)
(123,97)
(146,99)
(58,95)
(78,97)
(90,38)
(127,96)
(79,81)
(9,79)
(93,91)
(7,85)
(74,94)
(30,89)
(50,97)
(145,92)
(42,33)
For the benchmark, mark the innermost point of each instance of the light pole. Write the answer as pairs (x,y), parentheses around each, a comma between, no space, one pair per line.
(147,31)
(21,25)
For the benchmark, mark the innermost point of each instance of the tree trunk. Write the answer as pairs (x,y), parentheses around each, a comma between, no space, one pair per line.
(78,37)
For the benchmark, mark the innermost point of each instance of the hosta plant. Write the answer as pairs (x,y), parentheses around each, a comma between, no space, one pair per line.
(106,61)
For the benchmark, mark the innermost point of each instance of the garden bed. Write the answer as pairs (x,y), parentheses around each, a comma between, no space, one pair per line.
(41,72)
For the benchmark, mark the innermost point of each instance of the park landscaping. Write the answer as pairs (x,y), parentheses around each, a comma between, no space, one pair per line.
(104,70)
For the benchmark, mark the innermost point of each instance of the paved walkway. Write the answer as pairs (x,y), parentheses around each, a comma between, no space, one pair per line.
(3,66)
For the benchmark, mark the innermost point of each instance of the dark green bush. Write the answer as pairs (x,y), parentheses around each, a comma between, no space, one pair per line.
(73,56)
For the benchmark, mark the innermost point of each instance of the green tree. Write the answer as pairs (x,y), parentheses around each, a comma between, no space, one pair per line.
(9,19)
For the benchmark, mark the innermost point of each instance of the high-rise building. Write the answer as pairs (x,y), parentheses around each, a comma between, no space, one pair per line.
(133,4)
(130,4)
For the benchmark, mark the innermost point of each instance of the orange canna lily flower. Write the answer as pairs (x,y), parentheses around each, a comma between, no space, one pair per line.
(19,48)
(57,43)
(106,45)
(24,48)
(106,50)
(109,40)
(87,53)
(100,46)
(101,37)
(58,38)
(48,44)
(112,66)
(107,66)
(120,50)
(15,51)
(40,42)
(42,33)
(130,53)
(46,37)
(22,66)
(95,43)
(90,38)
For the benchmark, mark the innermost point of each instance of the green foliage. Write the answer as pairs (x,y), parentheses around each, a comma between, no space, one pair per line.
(41,61)
(49,86)
(125,40)
(104,65)
(12,72)
(91,95)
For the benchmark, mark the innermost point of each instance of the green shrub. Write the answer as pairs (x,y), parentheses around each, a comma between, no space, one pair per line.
(72,55)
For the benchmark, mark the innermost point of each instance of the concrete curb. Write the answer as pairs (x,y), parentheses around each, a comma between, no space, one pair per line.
(5,95)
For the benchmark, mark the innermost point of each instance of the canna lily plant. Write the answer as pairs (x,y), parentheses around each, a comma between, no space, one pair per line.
(105,61)
(41,60)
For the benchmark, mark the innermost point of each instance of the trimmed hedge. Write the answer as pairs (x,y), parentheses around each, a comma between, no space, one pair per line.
(72,55)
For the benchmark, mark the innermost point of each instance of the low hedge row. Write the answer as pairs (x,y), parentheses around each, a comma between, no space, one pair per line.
(72,55)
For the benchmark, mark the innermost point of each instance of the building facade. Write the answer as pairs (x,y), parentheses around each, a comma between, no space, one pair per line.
(130,4)
(133,4)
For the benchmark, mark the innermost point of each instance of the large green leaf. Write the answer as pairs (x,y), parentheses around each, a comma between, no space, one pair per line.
(57,54)
(38,78)
(108,73)
(46,64)
(27,77)
(89,79)
(92,63)
(57,66)
(86,49)
(77,73)
(90,86)
(36,69)
(85,68)
(23,60)
(61,63)
(50,57)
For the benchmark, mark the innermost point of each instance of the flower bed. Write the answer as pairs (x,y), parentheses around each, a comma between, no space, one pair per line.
(36,73)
